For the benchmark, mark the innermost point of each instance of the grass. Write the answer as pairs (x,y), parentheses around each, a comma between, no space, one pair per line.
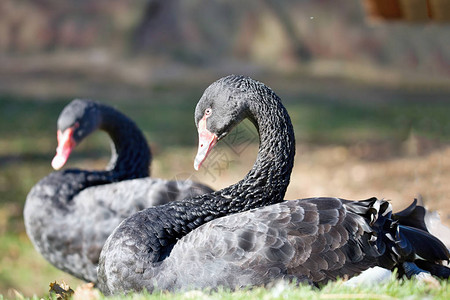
(336,122)
(28,140)
(392,289)
(23,269)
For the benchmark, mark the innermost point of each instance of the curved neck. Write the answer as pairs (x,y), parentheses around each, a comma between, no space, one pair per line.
(265,184)
(130,160)
(131,154)
(267,181)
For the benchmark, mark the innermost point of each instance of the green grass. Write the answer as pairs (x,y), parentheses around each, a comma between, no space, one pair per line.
(23,269)
(392,289)
(28,141)
(322,121)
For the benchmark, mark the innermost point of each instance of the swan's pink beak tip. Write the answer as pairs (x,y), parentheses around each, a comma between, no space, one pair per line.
(58,162)
(65,145)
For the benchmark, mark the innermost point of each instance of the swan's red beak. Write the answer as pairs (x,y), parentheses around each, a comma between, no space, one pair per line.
(65,145)
(206,141)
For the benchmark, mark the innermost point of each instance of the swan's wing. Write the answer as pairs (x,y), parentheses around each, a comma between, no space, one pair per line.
(172,190)
(107,205)
(310,239)
(70,232)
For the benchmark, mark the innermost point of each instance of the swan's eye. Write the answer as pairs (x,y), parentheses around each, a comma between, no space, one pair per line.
(208,111)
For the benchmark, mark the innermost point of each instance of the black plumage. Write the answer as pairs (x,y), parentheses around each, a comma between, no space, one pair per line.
(245,234)
(70,213)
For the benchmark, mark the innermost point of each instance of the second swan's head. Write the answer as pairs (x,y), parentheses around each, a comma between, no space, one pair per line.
(223,105)
(77,120)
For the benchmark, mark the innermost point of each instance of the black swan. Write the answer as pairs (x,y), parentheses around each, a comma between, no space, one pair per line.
(69,214)
(245,234)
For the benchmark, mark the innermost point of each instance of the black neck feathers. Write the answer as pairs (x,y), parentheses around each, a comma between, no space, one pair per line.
(131,154)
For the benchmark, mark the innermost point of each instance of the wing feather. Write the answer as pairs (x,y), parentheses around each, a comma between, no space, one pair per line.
(315,238)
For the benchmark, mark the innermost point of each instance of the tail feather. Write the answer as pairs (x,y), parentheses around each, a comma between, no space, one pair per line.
(423,244)
(415,243)
(435,269)
(412,216)
(403,237)
(419,224)
(417,216)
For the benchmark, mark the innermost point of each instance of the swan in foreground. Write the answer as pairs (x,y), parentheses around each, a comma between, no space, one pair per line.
(246,234)
(69,214)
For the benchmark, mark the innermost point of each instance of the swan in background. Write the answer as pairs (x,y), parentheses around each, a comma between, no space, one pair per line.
(69,214)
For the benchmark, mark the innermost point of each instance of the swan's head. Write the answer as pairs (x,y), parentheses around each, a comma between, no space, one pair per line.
(224,104)
(76,121)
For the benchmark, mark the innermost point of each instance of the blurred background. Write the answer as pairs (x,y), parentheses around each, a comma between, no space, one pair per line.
(366,82)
